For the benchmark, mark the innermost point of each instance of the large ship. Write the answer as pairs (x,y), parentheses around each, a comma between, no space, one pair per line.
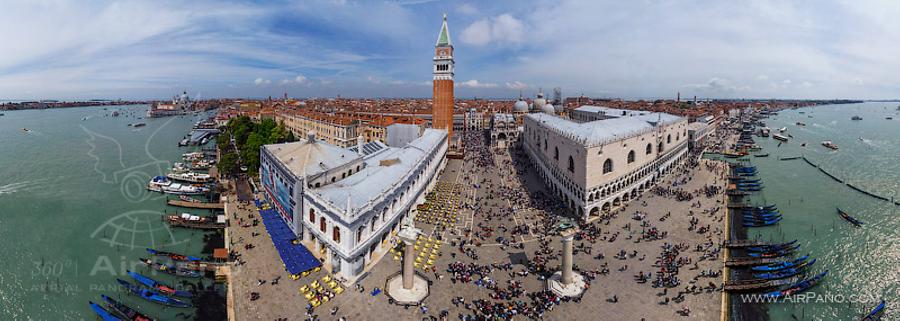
(180,105)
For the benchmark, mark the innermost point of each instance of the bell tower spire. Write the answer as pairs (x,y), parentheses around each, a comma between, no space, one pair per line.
(443,72)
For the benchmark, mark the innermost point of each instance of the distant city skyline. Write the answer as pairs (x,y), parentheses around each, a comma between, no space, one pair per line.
(70,50)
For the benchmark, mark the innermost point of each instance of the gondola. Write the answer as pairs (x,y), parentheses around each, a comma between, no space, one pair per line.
(745,169)
(174,256)
(876,313)
(778,253)
(791,248)
(849,218)
(171,269)
(750,189)
(161,287)
(748,180)
(761,155)
(760,210)
(102,313)
(762,215)
(752,219)
(125,311)
(786,273)
(760,223)
(779,265)
(797,287)
(761,248)
(153,296)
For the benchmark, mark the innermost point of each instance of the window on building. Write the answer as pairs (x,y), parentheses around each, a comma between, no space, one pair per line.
(556,153)
(607,166)
(630,157)
(336,234)
(322,224)
(659,149)
(649,148)
(571,164)
(312,216)
(669,139)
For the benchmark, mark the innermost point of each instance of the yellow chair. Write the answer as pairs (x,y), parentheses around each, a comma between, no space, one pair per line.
(315,284)
(429,262)
(415,247)
(396,258)
(305,274)
(419,259)
(316,303)
(325,299)
(309,296)
(338,290)
(317,269)
(332,284)
(326,278)
(304,288)
(416,264)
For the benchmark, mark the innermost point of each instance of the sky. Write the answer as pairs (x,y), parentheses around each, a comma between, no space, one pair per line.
(89,49)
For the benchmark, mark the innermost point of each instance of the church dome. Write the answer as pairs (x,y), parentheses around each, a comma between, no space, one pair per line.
(548,109)
(521,106)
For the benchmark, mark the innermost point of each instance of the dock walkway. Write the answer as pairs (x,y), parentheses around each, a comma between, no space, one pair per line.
(201,205)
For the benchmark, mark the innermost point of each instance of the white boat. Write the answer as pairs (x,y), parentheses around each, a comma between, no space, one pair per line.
(779,137)
(164,185)
(193,156)
(184,189)
(782,129)
(157,183)
(190,177)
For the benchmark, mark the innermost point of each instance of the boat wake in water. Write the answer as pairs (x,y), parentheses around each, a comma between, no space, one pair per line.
(21,186)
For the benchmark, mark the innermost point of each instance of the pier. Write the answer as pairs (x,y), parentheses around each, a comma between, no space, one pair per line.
(200,205)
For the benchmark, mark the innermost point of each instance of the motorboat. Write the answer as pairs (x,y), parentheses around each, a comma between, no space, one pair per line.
(190,177)
(831,145)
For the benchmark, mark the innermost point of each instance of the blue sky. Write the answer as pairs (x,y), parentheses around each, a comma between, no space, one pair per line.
(59,49)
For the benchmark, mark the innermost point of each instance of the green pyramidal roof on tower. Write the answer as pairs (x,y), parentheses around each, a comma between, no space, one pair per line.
(444,37)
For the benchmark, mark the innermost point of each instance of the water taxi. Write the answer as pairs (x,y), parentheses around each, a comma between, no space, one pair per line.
(779,137)
(855,118)
(831,145)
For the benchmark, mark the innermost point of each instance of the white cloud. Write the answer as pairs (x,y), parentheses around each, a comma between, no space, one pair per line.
(503,29)
(762,77)
(516,85)
(473,83)
(260,81)
(467,9)
(299,79)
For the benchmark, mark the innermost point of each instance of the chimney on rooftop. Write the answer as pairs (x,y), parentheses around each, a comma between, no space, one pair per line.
(311,136)
(359,145)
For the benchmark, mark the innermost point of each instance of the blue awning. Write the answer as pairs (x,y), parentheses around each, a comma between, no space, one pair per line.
(296,257)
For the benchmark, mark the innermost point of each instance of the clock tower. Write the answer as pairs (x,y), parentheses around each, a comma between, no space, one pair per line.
(442,97)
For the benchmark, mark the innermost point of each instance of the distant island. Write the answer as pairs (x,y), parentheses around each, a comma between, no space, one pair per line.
(48,104)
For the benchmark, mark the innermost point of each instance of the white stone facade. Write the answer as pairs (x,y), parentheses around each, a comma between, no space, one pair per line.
(349,221)
(597,166)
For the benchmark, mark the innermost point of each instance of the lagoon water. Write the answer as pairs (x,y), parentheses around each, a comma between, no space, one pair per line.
(863,262)
(74,210)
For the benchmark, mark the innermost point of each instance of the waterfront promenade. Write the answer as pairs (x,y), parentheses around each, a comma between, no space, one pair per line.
(493,212)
